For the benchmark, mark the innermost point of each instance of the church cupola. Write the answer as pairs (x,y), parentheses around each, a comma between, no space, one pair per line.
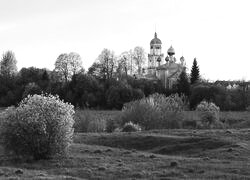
(155,46)
(171,51)
(159,59)
(182,59)
(167,59)
(155,41)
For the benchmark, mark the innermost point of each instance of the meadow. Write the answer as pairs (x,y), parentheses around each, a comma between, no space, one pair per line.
(231,119)
(154,154)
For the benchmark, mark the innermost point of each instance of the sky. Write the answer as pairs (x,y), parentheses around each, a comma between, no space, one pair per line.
(216,32)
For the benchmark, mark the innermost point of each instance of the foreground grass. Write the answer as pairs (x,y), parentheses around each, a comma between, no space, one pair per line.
(165,154)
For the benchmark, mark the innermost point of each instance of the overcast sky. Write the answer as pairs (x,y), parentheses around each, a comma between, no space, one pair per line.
(216,32)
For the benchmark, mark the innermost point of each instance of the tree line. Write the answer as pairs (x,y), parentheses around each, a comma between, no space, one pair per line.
(110,82)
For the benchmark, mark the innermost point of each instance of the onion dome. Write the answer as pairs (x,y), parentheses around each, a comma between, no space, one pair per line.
(171,51)
(159,59)
(155,40)
(182,59)
(167,59)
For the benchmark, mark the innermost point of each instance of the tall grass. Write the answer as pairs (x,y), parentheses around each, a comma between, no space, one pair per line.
(93,121)
(190,119)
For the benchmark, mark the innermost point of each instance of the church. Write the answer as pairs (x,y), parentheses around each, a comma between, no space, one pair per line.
(165,69)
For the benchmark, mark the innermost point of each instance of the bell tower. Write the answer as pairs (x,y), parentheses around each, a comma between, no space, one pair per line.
(155,58)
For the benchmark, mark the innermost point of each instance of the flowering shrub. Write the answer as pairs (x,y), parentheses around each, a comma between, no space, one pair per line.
(209,114)
(40,127)
(131,127)
(141,112)
(154,112)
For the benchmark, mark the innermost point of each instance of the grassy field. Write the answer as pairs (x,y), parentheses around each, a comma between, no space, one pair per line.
(155,154)
(165,154)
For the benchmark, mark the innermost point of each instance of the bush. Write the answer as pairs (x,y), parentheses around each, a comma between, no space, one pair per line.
(209,114)
(154,112)
(118,95)
(141,112)
(40,127)
(131,127)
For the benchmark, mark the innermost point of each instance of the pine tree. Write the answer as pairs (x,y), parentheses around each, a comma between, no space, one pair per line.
(195,72)
(183,86)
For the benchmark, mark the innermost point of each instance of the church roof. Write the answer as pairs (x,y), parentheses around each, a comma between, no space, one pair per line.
(155,40)
(170,66)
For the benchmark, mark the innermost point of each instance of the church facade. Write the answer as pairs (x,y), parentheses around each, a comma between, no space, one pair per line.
(166,69)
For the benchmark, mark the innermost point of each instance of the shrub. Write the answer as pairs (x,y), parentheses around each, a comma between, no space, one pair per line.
(171,110)
(154,112)
(209,114)
(118,95)
(131,127)
(141,112)
(40,127)
(137,94)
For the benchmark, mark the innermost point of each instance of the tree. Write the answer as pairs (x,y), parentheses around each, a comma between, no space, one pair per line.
(195,72)
(123,63)
(45,81)
(68,65)
(140,58)
(8,64)
(183,86)
(118,95)
(95,70)
(75,62)
(87,91)
(30,74)
(104,67)
(31,89)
